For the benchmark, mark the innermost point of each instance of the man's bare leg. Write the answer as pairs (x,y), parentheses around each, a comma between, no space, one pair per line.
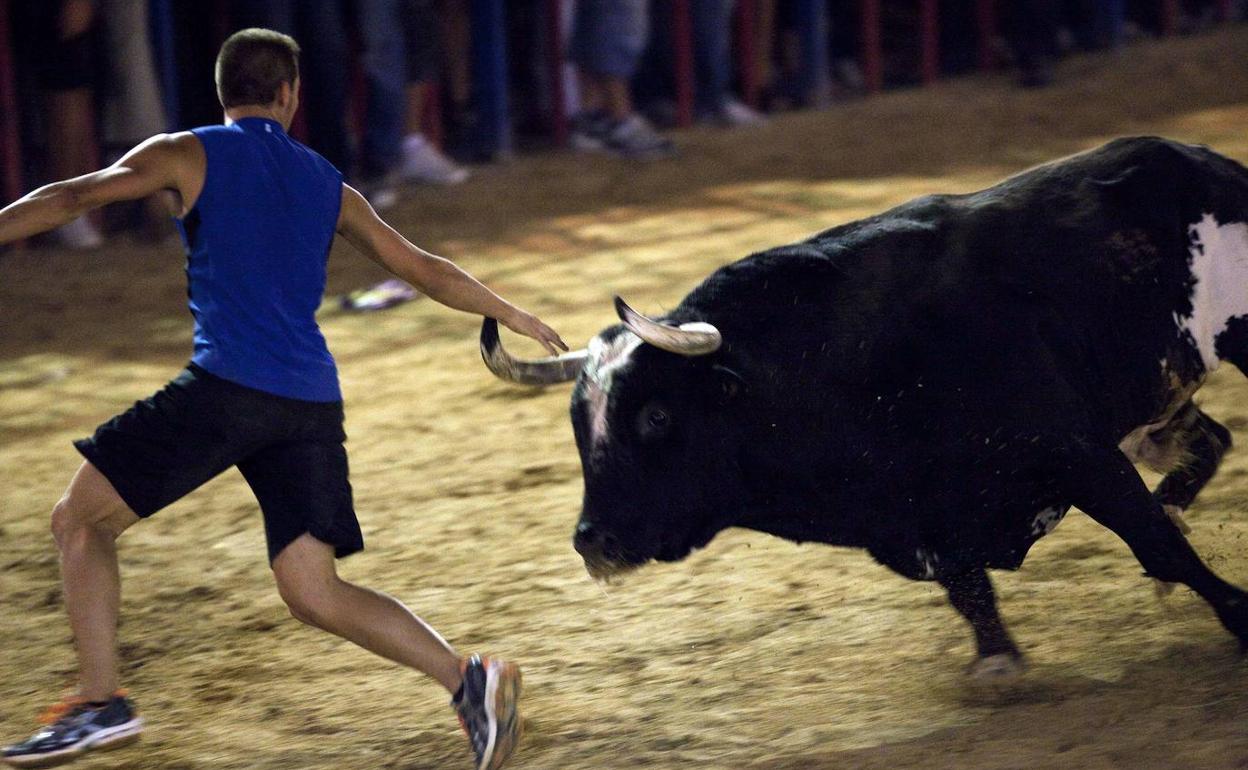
(310,586)
(86,523)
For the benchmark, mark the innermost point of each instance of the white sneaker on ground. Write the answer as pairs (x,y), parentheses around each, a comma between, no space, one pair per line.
(423,163)
(79,234)
(735,114)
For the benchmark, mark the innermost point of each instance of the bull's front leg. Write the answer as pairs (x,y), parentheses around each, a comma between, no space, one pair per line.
(1103,484)
(971,594)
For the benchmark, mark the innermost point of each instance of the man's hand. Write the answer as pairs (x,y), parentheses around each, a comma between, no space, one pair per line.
(530,325)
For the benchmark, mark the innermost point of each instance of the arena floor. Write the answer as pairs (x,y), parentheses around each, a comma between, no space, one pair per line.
(754,653)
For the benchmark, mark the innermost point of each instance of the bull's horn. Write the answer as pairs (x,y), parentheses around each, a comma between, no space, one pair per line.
(688,339)
(541,371)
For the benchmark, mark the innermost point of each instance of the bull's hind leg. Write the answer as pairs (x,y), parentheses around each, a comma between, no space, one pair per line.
(1103,484)
(1200,441)
(971,594)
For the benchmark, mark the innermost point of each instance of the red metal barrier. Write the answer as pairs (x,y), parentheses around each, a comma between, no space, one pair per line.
(682,56)
(1224,10)
(929,41)
(1169,17)
(872,55)
(986,22)
(747,57)
(431,122)
(10,140)
(554,62)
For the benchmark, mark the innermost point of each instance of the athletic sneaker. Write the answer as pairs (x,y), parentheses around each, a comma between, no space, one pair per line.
(74,727)
(79,234)
(590,130)
(634,137)
(486,705)
(423,163)
(735,114)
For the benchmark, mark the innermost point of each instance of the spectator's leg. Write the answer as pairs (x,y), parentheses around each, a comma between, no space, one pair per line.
(712,47)
(323,36)
(1034,38)
(380,25)
(66,77)
(422,160)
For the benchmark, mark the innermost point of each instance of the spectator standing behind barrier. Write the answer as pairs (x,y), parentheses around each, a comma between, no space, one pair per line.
(608,39)
(712,56)
(61,48)
(423,162)
(132,108)
(712,59)
(1033,36)
(320,26)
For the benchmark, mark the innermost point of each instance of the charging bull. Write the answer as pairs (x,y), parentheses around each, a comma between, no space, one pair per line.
(937,384)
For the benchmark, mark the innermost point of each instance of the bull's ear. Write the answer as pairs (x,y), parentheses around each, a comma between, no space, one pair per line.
(726,385)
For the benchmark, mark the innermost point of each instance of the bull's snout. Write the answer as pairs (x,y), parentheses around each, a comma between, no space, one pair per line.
(595,544)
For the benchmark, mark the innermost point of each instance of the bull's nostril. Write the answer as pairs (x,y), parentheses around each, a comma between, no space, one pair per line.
(610,545)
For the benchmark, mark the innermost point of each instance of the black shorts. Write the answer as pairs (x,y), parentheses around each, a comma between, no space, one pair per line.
(289,451)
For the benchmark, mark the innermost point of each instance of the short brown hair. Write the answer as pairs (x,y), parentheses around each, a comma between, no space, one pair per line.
(253,64)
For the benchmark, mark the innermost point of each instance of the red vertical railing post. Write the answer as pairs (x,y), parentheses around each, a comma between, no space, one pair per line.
(986,24)
(431,123)
(10,138)
(682,57)
(1169,16)
(555,70)
(929,41)
(872,53)
(1224,10)
(747,64)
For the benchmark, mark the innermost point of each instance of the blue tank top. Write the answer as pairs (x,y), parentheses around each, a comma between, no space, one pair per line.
(257,241)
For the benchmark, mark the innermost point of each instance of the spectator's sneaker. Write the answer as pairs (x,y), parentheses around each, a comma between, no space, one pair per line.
(380,192)
(486,705)
(590,131)
(633,137)
(734,114)
(79,234)
(74,727)
(423,163)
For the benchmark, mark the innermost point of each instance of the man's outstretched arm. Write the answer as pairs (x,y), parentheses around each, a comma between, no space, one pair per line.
(164,162)
(438,278)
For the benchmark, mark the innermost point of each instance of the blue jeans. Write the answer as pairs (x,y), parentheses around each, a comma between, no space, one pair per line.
(712,52)
(385,70)
(609,36)
(320,26)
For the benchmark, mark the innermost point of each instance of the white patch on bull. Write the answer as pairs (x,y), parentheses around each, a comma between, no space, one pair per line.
(1046,521)
(604,362)
(1219,266)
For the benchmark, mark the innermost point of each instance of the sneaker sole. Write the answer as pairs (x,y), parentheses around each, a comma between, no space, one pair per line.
(502,692)
(111,738)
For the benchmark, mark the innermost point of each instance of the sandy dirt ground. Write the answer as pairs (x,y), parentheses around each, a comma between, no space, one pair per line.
(754,653)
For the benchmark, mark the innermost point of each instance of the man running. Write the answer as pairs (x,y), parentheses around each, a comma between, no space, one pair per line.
(258,212)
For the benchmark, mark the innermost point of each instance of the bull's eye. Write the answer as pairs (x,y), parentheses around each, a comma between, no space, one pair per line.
(653,422)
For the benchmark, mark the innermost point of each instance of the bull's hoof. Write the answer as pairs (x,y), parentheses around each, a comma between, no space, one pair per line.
(1162,589)
(1002,668)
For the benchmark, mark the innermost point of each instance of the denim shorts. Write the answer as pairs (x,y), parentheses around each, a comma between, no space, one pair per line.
(609,36)
(290,452)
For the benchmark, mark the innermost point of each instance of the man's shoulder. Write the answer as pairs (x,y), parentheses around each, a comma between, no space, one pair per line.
(325,166)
